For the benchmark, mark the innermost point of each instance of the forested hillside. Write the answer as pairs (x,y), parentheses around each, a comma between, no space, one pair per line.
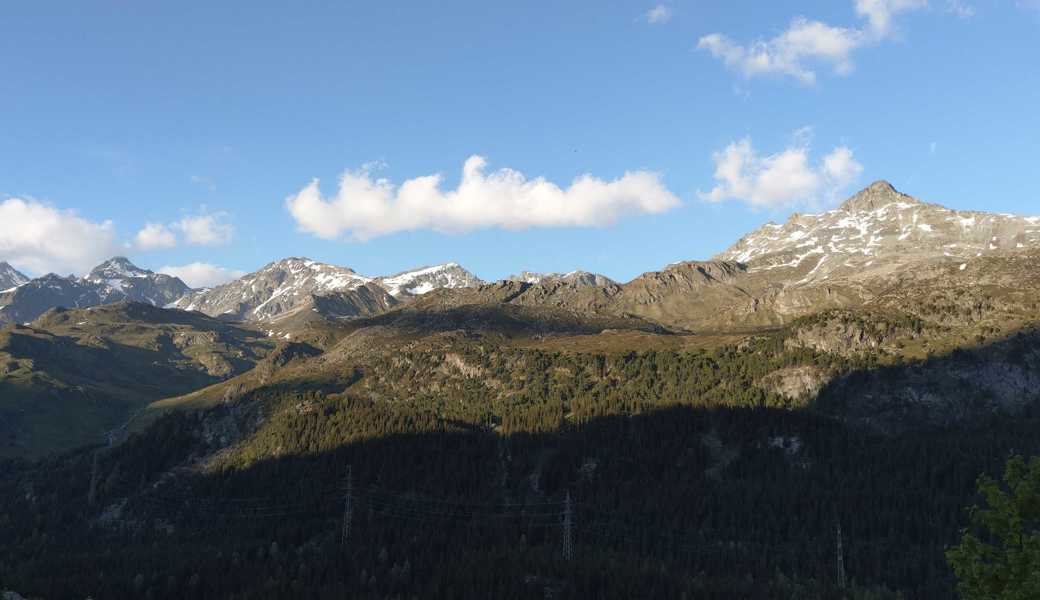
(688,475)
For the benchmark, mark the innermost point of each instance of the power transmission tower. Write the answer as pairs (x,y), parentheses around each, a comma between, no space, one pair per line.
(568,529)
(348,506)
(841,560)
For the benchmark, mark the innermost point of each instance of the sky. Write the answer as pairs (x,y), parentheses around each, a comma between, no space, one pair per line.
(208,139)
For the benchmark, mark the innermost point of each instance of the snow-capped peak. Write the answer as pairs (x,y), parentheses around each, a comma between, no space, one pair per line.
(118,267)
(426,279)
(876,227)
(274,289)
(10,277)
(580,278)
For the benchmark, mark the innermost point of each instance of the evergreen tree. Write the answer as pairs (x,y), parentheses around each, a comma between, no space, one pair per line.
(1001,560)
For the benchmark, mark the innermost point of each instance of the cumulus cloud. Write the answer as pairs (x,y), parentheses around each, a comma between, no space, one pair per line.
(201,275)
(779,180)
(880,14)
(154,236)
(205,229)
(40,238)
(365,208)
(806,44)
(658,15)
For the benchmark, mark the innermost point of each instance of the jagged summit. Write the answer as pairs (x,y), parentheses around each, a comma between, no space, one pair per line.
(114,280)
(117,267)
(280,287)
(277,287)
(578,278)
(426,279)
(10,277)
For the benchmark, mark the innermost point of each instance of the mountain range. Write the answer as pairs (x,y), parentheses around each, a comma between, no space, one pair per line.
(861,365)
(883,272)
(114,280)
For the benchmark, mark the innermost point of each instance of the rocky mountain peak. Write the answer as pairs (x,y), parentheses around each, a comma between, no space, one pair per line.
(10,277)
(426,279)
(876,196)
(577,278)
(276,288)
(878,228)
(114,280)
(118,267)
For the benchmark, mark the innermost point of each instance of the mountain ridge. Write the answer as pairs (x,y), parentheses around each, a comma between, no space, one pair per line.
(114,280)
(839,257)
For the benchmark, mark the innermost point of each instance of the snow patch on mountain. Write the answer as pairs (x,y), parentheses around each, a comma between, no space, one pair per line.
(114,280)
(879,223)
(10,277)
(579,278)
(426,279)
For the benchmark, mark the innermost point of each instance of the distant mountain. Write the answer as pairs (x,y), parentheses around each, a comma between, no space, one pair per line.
(136,284)
(575,277)
(281,287)
(426,279)
(879,246)
(878,228)
(275,289)
(314,318)
(114,280)
(10,277)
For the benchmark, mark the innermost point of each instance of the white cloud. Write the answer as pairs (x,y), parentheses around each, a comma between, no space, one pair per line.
(205,229)
(155,236)
(880,14)
(40,238)
(367,208)
(960,8)
(659,14)
(783,179)
(805,44)
(200,274)
(787,53)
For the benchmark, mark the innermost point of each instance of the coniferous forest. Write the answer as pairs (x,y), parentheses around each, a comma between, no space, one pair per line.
(619,475)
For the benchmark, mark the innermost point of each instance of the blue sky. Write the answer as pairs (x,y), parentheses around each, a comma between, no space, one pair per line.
(187,133)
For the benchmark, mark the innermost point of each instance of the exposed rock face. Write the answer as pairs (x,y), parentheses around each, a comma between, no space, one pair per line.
(879,247)
(848,333)
(577,278)
(365,301)
(138,285)
(273,290)
(797,383)
(29,301)
(114,280)
(955,389)
(878,229)
(317,310)
(426,279)
(281,287)
(10,277)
